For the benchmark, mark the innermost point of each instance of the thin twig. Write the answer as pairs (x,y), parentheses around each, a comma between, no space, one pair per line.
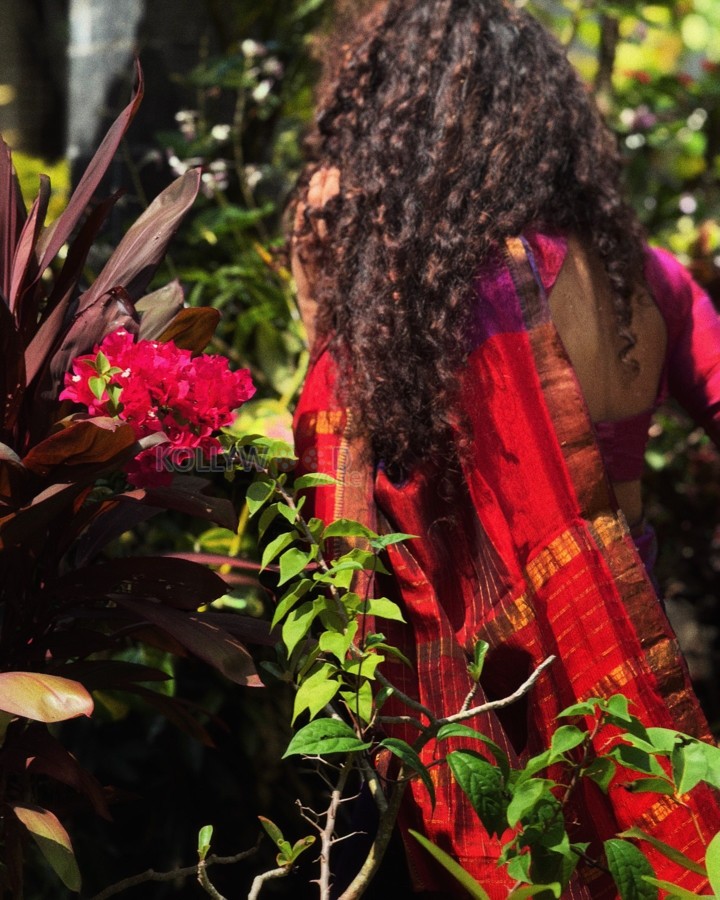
(260,880)
(498,704)
(326,835)
(470,697)
(152,875)
(402,720)
(205,883)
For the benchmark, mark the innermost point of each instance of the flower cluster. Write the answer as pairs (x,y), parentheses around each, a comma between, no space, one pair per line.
(158,388)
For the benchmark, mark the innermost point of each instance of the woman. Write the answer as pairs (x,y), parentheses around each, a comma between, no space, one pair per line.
(491,337)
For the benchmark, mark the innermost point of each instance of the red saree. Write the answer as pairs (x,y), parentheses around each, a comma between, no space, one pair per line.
(529,552)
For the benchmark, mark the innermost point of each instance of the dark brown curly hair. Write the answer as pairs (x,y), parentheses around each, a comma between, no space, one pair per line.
(454,124)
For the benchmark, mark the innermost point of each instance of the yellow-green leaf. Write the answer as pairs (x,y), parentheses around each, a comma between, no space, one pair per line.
(43,698)
(53,841)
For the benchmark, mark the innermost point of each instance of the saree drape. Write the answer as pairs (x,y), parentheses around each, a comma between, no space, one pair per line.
(525,548)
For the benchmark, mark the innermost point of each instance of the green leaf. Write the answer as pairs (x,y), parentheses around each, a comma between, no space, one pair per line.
(675,855)
(347,528)
(453,867)
(53,841)
(530,890)
(627,866)
(601,771)
(712,862)
(338,643)
(584,708)
(382,608)
(484,786)
(323,737)
(313,479)
(293,561)
(410,759)
(288,513)
(457,729)
(360,701)
(43,698)
(365,667)
(526,796)
(674,890)
(385,540)
(258,493)
(277,546)
(650,785)
(637,760)
(204,838)
(289,599)
(297,624)
(97,386)
(268,515)
(289,857)
(566,738)
(618,706)
(316,691)
(479,653)
(273,832)
(663,739)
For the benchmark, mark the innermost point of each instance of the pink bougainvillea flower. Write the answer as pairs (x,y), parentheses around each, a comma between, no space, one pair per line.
(159,388)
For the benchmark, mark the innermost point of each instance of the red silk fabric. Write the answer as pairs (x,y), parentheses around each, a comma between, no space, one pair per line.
(523,548)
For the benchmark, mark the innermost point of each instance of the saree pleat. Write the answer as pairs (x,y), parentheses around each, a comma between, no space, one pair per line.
(524,547)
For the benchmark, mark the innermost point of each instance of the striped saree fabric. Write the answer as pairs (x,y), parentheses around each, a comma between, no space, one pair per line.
(522,546)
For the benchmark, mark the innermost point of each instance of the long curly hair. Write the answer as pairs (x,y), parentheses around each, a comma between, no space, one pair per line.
(454,124)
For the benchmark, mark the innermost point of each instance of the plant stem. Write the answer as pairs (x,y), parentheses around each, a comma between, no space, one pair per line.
(327,834)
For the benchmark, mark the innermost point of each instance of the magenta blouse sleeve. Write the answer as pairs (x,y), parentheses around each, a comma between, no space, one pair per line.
(693,353)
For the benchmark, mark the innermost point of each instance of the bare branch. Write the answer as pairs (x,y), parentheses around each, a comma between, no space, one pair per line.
(524,688)
(260,880)
(205,883)
(329,830)
(152,875)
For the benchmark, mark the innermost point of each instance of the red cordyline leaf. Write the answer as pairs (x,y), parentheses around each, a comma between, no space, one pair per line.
(43,698)
(202,638)
(137,256)
(12,217)
(60,230)
(24,267)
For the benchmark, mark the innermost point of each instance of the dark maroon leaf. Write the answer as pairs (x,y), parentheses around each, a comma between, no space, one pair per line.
(50,333)
(137,256)
(176,582)
(12,371)
(75,642)
(185,495)
(36,751)
(158,309)
(60,230)
(111,674)
(109,521)
(29,522)
(249,629)
(202,638)
(85,442)
(14,477)
(192,329)
(78,251)
(25,273)
(12,217)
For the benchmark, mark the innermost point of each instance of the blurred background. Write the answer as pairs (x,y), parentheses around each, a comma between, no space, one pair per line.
(229,86)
